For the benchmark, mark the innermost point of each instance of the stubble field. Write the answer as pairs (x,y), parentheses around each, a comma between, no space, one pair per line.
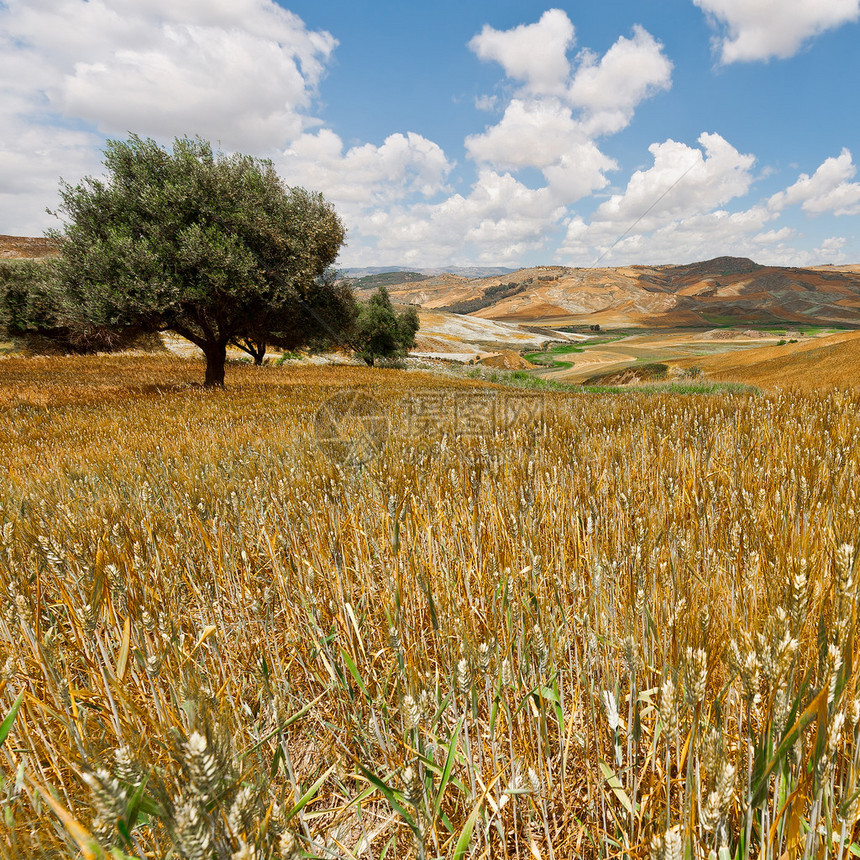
(351,613)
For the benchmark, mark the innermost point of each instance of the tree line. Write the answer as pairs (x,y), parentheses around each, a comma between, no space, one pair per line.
(213,247)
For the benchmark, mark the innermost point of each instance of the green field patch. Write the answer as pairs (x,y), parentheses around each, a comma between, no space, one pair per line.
(548,358)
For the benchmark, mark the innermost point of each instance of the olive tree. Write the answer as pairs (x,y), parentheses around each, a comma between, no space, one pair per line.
(213,247)
(381,332)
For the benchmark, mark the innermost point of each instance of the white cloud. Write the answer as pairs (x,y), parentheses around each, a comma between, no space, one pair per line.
(172,68)
(533,53)
(773,237)
(532,133)
(404,164)
(694,237)
(487,102)
(831,250)
(760,29)
(70,69)
(552,123)
(609,89)
(683,181)
(827,190)
(245,73)
(674,210)
(497,222)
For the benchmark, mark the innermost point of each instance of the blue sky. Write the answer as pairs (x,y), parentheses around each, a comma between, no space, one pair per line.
(478,132)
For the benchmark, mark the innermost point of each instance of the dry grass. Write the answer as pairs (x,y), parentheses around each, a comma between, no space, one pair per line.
(815,364)
(573,626)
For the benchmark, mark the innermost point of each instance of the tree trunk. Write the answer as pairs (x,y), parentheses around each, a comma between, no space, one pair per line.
(255,348)
(216,356)
(259,353)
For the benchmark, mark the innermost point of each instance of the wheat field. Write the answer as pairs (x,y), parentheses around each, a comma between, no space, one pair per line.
(359,613)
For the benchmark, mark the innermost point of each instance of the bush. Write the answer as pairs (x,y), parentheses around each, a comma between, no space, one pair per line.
(32,314)
(382,333)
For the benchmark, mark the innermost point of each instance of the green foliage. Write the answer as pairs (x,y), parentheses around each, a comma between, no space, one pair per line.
(211,246)
(381,332)
(490,296)
(24,296)
(33,313)
(388,279)
(548,357)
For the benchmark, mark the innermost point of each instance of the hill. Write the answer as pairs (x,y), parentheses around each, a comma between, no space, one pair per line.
(725,291)
(25,248)
(386,279)
(722,292)
(822,362)
(463,271)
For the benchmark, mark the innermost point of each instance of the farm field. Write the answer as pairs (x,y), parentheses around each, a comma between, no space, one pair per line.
(615,352)
(339,612)
(830,360)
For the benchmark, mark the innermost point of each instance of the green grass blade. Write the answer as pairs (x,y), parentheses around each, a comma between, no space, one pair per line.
(309,795)
(462,845)
(389,794)
(446,771)
(353,670)
(6,725)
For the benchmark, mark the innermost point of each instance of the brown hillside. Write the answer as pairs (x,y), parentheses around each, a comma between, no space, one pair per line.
(822,362)
(26,248)
(725,291)
(720,292)
(507,359)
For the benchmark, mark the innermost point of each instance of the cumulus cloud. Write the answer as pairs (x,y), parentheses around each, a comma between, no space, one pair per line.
(496,223)
(552,123)
(827,190)
(674,209)
(171,67)
(682,181)
(404,164)
(535,54)
(542,133)
(695,237)
(72,71)
(773,237)
(532,133)
(609,89)
(831,250)
(761,29)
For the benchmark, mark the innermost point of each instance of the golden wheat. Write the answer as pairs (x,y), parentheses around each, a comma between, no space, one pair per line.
(472,622)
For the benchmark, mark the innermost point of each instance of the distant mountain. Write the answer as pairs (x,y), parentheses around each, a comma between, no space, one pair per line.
(387,279)
(461,271)
(725,291)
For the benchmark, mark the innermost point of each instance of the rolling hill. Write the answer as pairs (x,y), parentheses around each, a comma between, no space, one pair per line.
(25,248)
(819,363)
(726,291)
(723,292)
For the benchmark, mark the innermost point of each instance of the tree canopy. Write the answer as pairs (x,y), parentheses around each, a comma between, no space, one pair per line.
(381,332)
(211,246)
